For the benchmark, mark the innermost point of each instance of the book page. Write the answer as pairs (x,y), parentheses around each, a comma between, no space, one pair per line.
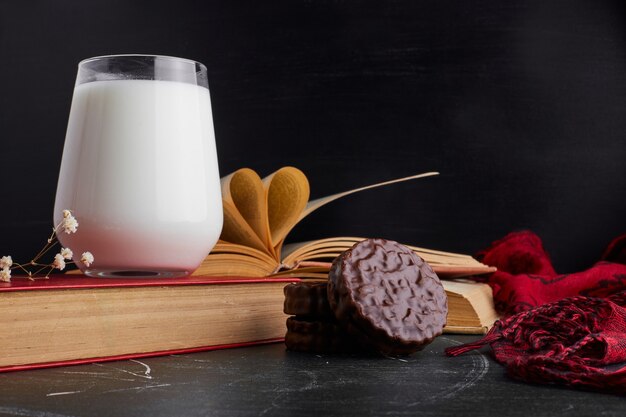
(233,264)
(243,198)
(287,193)
(226,247)
(446,264)
(236,229)
(294,252)
(319,202)
(249,196)
(313,205)
(228,259)
(470,303)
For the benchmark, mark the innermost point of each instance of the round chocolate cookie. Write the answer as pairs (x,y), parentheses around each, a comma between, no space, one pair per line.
(307,299)
(387,297)
(317,336)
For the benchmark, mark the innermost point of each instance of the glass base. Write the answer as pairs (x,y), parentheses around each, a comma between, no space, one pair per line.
(131,273)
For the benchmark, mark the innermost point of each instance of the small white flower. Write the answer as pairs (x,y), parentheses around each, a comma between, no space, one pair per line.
(6,262)
(5,275)
(67,253)
(59,262)
(87,258)
(69,222)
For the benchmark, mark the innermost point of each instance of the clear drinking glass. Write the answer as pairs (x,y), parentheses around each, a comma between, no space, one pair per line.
(139,169)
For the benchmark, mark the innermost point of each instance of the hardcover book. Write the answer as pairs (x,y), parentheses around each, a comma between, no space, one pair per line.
(73,319)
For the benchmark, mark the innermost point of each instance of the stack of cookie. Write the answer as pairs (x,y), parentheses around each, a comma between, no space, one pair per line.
(380,297)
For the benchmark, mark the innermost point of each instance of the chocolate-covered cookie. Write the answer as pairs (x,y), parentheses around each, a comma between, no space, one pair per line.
(307,299)
(317,336)
(387,296)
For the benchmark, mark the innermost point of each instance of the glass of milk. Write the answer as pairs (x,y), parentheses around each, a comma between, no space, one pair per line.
(139,169)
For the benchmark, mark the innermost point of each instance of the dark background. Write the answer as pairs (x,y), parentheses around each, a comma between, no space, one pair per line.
(520,105)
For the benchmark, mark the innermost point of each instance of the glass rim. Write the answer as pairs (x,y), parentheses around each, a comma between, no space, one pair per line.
(168,57)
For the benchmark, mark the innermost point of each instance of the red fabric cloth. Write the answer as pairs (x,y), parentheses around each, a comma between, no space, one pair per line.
(569,342)
(557,328)
(526,278)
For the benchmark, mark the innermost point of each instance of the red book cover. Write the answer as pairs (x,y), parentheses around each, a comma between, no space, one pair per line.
(70,281)
(79,311)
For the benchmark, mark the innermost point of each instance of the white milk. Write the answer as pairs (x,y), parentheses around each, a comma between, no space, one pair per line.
(140,174)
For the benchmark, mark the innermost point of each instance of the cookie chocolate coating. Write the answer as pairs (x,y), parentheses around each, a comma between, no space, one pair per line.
(387,296)
(307,299)
(317,336)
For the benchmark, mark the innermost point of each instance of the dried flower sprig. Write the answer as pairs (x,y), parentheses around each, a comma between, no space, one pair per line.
(68,225)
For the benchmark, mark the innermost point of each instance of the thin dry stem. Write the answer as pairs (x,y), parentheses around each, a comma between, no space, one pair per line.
(50,243)
(52,240)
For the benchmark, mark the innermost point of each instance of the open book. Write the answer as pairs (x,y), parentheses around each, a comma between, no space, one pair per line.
(260,213)
(470,307)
